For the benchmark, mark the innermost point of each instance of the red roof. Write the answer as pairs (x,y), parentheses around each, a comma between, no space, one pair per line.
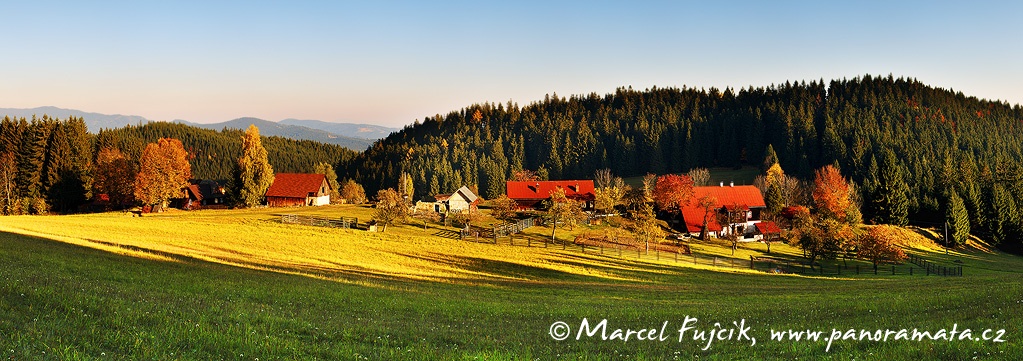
(731,197)
(748,196)
(536,190)
(767,227)
(295,185)
(694,220)
(194,189)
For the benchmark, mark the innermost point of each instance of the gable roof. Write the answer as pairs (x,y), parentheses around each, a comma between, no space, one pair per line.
(742,196)
(534,190)
(730,197)
(295,185)
(693,217)
(194,190)
(467,194)
(767,227)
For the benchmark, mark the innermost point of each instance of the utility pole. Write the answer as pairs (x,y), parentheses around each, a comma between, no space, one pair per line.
(946,237)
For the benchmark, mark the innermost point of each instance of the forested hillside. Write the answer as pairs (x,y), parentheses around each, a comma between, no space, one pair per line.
(47,163)
(941,140)
(214,153)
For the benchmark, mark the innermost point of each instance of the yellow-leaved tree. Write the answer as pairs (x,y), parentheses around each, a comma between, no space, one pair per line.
(254,175)
(163,171)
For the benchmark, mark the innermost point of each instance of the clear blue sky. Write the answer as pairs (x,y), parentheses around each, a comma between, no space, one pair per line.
(391,63)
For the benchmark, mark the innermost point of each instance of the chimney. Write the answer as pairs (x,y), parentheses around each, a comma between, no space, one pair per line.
(722,184)
(731,184)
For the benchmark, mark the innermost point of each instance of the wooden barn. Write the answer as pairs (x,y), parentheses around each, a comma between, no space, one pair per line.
(530,195)
(298,189)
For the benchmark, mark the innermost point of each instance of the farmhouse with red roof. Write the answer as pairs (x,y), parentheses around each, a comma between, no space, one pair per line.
(298,189)
(530,194)
(744,201)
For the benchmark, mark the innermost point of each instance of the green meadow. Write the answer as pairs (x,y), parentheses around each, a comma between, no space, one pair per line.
(241,285)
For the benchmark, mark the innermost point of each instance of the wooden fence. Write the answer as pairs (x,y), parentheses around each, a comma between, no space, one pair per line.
(935,269)
(630,249)
(495,232)
(341,222)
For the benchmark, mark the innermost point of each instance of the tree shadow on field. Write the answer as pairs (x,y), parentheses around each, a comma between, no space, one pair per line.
(333,272)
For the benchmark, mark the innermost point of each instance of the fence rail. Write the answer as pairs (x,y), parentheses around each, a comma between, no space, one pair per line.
(341,222)
(682,255)
(933,268)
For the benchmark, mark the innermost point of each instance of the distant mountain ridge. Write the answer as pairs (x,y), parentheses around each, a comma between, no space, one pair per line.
(296,132)
(94,121)
(353,136)
(367,131)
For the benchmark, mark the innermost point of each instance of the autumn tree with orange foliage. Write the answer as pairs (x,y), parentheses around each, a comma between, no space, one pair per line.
(878,246)
(672,192)
(163,171)
(832,196)
(833,227)
(114,175)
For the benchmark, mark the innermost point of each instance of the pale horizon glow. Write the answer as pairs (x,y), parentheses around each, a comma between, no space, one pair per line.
(393,63)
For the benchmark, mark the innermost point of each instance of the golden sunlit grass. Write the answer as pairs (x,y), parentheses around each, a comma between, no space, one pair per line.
(238,284)
(256,239)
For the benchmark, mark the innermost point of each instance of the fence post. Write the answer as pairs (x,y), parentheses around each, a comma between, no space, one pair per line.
(715,261)
(751,262)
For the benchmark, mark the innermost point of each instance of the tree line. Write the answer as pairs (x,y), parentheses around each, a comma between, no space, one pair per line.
(49,164)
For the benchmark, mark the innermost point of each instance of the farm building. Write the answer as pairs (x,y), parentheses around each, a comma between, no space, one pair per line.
(529,195)
(200,193)
(298,189)
(461,201)
(743,203)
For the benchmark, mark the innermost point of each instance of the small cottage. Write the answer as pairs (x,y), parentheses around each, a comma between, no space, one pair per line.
(298,189)
(461,201)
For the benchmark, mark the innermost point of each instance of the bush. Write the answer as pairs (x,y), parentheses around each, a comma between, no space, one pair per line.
(38,206)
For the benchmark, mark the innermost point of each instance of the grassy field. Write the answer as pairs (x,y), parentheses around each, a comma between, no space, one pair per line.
(241,285)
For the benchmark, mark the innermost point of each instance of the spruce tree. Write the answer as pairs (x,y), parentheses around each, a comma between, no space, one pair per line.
(1004,215)
(958,220)
(890,197)
(254,174)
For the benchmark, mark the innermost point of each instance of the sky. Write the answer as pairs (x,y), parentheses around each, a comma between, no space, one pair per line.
(391,63)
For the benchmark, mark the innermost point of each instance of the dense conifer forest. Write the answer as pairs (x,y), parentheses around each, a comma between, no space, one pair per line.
(883,132)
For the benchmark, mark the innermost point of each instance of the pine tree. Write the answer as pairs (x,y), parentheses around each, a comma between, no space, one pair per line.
(770,158)
(890,201)
(958,220)
(1004,215)
(254,174)
(31,157)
